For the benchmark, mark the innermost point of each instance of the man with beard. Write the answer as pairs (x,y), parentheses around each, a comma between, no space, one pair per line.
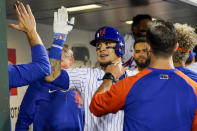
(141,54)
(138,29)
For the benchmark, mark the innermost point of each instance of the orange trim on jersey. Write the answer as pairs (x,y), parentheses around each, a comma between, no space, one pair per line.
(189,80)
(194,86)
(114,99)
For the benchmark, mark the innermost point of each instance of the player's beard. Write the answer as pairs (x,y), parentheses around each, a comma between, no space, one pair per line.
(143,65)
(105,64)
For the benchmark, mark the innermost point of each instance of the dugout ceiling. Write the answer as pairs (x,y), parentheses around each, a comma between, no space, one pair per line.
(113,13)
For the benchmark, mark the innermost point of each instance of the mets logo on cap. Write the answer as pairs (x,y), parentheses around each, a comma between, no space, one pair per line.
(101,32)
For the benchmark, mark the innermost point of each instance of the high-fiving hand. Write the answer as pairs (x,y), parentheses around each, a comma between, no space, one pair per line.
(61,23)
(26,20)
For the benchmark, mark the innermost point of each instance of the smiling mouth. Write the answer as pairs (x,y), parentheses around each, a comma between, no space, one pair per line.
(103,55)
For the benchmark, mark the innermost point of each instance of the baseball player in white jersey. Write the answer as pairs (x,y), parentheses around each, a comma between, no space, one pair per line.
(110,47)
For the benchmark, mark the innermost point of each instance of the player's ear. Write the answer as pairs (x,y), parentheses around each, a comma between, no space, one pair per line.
(149,47)
(176,47)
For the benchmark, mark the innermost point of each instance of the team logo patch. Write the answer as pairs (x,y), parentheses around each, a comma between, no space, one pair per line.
(78,99)
(102,32)
(163,76)
(60,37)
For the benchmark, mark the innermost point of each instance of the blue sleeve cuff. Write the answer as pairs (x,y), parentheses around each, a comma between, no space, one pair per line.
(57,46)
(62,80)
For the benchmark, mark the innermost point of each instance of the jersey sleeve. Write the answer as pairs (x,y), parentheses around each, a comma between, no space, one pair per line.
(114,99)
(24,74)
(62,80)
(194,86)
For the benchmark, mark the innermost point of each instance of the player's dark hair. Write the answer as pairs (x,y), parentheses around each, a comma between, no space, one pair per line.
(138,18)
(139,40)
(161,36)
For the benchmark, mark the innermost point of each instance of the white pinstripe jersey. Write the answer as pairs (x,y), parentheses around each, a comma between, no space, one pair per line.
(87,80)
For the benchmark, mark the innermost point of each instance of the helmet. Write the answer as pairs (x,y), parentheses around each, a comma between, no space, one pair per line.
(110,33)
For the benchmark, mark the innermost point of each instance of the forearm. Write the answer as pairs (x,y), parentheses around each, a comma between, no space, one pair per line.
(104,86)
(101,101)
(33,37)
(55,56)
(55,70)
(95,106)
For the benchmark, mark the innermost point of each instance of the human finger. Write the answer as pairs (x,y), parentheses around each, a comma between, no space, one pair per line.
(14,26)
(29,10)
(23,8)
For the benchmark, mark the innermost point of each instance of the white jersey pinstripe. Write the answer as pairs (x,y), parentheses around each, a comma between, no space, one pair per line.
(87,80)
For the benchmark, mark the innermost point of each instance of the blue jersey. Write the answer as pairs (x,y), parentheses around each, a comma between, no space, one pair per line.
(189,73)
(153,100)
(50,108)
(24,74)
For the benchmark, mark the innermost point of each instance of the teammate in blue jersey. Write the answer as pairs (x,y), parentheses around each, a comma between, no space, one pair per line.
(47,106)
(50,108)
(186,46)
(24,74)
(159,98)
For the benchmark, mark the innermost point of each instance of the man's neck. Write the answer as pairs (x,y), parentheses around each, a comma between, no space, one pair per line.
(104,68)
(161,63)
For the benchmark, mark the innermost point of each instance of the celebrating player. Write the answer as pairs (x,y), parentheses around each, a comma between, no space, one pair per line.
(110,47)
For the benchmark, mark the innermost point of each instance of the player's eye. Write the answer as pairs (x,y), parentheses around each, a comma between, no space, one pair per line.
(137,51)
(110,47)
(145,50)
(98,48)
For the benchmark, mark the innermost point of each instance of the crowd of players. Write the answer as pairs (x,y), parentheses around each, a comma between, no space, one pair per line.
(142,84)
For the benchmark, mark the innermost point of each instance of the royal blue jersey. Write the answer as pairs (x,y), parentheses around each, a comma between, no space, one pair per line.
(24,74)
(152,100)
(188,72)
(50,108)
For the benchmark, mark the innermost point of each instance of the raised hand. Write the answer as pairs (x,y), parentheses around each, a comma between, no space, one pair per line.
(61,23)
(26,20)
